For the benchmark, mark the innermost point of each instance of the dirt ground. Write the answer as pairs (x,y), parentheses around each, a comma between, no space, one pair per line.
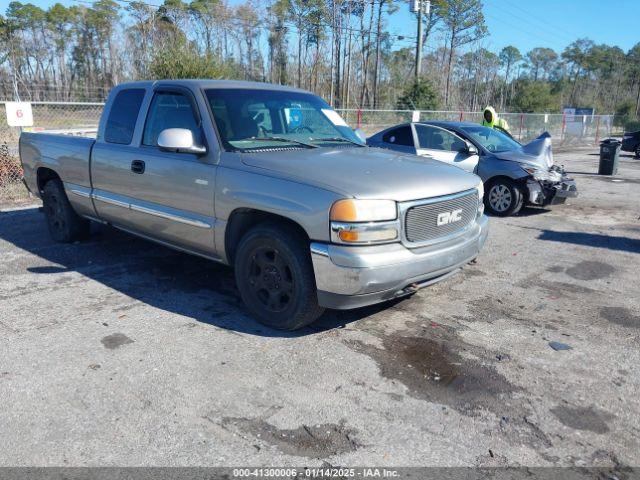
(116,351)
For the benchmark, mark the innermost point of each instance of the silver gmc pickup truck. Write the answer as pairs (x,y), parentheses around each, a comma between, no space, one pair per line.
(265,178)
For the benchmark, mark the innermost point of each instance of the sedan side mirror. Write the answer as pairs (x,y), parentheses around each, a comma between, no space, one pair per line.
(179,140)
(471,149)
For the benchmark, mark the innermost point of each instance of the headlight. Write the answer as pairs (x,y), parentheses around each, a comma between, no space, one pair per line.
(364,221)
(480,189)
(364,233)
(352,210)
(536,173)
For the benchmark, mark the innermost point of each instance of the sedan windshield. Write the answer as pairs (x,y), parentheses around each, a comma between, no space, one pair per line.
(491,139)
(263,119)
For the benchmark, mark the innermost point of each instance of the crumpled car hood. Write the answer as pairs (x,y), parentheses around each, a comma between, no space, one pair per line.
(537,153)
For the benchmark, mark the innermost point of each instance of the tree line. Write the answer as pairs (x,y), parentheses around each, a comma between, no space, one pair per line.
(341,49)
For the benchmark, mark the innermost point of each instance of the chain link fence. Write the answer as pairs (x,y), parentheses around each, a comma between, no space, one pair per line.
(53,117)
(565,130)
(83,119)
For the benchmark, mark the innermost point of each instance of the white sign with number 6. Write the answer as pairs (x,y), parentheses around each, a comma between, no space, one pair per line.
(19,114)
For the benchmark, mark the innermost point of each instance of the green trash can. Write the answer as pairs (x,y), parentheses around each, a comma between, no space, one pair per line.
(609,156)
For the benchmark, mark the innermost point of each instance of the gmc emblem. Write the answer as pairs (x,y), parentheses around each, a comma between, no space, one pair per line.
(445,218)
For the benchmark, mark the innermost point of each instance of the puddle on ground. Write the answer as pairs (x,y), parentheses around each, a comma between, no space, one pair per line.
(432,372)
(620,316)
(579,418)
(115,340)
(590,270)
(318,441)
(555,269)
(563,289)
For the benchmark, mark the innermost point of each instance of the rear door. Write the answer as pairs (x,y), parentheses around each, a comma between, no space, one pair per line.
(443,145)
(166,196)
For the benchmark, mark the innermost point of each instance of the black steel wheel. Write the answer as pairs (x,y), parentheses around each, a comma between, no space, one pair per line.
(275,277)
(270,278)
(64,224)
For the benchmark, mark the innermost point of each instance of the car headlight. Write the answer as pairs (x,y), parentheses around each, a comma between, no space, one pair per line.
(480,189)
(536,173)
(364,221)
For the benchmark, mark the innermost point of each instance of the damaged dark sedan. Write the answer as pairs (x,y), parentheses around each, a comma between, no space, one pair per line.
(514,175)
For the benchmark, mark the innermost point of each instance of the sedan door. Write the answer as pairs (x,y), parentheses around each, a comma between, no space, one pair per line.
(443,145)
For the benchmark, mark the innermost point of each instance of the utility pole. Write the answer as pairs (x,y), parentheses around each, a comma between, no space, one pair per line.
(419,41)
(419,7)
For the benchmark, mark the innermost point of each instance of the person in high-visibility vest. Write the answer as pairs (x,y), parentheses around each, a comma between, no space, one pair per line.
(490,119)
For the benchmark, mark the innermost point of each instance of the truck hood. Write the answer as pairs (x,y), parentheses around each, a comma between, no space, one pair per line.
(536,153)
(366,172)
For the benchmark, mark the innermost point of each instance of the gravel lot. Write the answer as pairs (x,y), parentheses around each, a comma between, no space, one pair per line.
(119,352)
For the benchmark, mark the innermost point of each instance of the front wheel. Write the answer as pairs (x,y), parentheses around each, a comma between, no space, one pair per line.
(503,198)
(275,277)
(638,151)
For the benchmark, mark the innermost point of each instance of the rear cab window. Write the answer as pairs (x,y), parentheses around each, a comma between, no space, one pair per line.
(123,115)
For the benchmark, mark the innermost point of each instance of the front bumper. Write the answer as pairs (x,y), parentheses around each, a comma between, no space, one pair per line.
(352,277)
(551,193)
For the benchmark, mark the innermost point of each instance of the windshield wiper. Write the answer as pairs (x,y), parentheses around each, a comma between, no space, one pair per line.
(335,139)
(282,139)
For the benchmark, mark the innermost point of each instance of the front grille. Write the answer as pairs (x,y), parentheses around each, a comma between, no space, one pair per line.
(421,221)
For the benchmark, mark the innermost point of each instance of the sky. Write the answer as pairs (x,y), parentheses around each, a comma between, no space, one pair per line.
(550,23)
(524,24)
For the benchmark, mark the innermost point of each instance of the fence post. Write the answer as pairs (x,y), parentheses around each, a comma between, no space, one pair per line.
(597,130)
(564,126)
(521,125)
(359,116)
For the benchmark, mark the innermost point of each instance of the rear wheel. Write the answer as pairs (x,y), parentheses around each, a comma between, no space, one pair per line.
(504,197)
(638,151)
(64,224)
(275,277)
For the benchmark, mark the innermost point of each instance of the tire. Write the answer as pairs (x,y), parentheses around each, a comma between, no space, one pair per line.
(64,224)
(275,277)
(637,152)
(503,198)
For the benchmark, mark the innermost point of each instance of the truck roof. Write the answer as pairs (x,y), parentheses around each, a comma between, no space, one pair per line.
(205,83)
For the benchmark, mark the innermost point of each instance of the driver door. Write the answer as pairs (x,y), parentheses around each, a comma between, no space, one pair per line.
(445,146)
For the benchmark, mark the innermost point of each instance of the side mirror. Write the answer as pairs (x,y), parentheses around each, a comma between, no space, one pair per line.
(471,149)
(179,140)
(360,134)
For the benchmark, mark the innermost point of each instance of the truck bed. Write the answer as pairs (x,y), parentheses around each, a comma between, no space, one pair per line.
(67,155)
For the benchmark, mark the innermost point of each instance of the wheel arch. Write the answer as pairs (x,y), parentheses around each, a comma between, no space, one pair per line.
(44,175)
(242,220)
(521,182)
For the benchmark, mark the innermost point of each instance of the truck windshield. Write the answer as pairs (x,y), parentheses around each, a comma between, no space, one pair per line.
(263,119)
(491,139)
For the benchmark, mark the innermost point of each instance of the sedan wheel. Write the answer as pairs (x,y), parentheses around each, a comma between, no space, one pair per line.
(500,198)
(503,198)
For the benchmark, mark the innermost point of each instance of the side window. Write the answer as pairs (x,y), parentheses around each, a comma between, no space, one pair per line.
(170,110)
(399,136)
(434,138)
(123,115)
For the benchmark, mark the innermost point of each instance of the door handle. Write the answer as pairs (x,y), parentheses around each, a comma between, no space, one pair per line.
(137,166)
